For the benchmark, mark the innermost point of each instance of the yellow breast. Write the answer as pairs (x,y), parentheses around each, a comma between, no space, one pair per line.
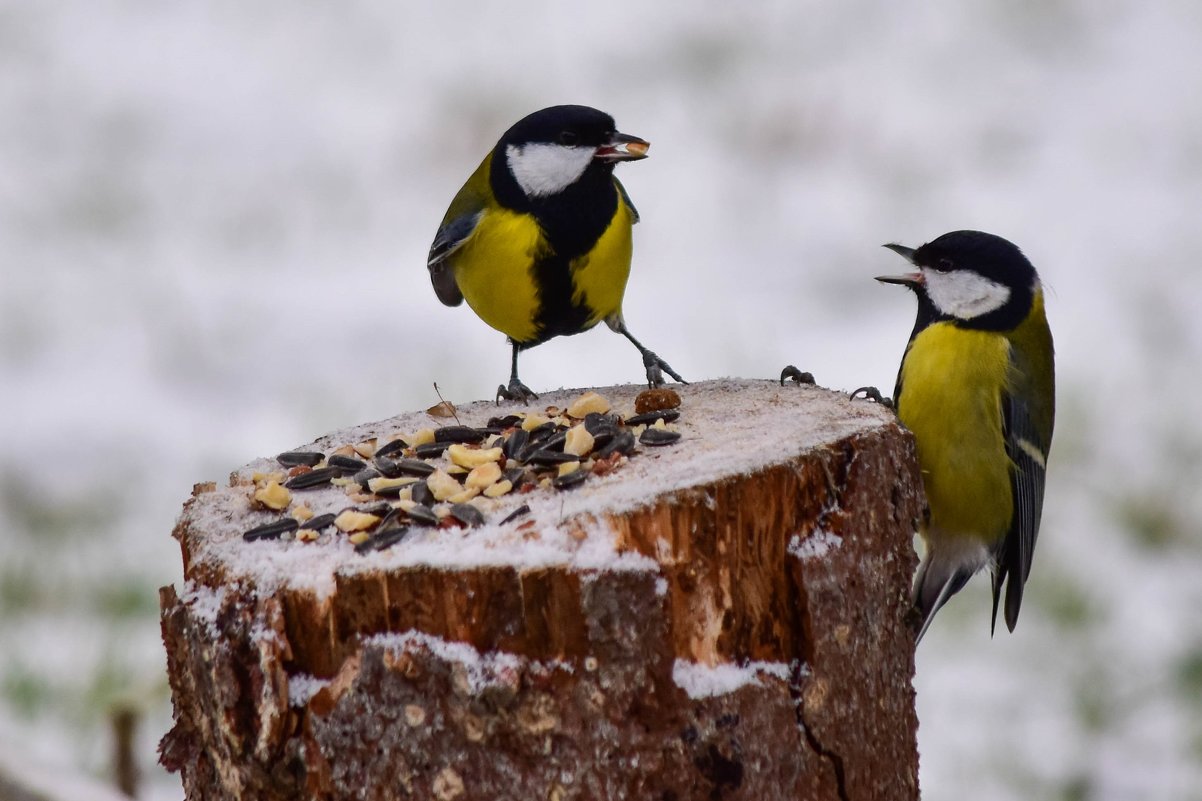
(493,271)
(951,398)
(599,278)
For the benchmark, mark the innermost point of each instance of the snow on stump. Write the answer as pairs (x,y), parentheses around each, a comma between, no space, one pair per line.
(723,617)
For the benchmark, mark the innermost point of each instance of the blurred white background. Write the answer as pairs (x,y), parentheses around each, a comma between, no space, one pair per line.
(214,218)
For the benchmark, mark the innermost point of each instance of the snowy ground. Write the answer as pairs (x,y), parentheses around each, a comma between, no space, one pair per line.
(213,224)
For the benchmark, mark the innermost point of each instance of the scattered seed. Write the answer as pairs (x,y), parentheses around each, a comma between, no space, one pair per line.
(302,513)
(273,496)
(352,520)
(549,458)
(359,537)
(364,477)
(533,421)
(571,479)
(385,539)
(442,485)
(498,489)
(524,509)
(649,418)
(578,441)
(467,514)
(270,531)
(422,437)
(515,443)
(319,522)
(502,423)
(623,443)
(347,464)
(296,458)
(313,478)
(460,434)
(659,436)
(307,536)
(595,423)
(484,476)
(421,494)
(392,446)
(389,487)
(588,403)
(366,449)
(423,515)
(430,449)
(467,457)
(568,467)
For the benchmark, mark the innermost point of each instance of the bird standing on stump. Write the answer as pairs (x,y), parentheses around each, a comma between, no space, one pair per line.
(977,389)
(538,241)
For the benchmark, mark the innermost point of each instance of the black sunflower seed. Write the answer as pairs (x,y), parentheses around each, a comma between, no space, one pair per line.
(467,514)
(421,494)
(363,476)
(508,421)
(524,509)
(270,531)
(515,476)
(313,478)
(319,522)
(383,540)
(515,443)
(423,514)
(460,434)
(622,443)
(298,458)
(571,479)
(595,422)
(658,436)
(550,458)
(430,449)
(389,448)
(379,509)
(648,418)
(347,464)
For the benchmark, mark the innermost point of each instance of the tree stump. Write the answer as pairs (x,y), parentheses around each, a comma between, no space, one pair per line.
(720,618)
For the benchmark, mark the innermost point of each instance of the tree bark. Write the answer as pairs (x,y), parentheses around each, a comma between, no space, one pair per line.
(744,633)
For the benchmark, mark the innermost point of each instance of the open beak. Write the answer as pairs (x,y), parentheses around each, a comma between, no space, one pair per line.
(623,147)
(911,280)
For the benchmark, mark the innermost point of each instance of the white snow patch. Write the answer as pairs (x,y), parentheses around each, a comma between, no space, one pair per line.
(205,603)
(815,545)
(661,587)
(302,687)
(704,681)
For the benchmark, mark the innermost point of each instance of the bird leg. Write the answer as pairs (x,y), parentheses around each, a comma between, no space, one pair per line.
(654,365)
(516,391)
(872,394)
(798,377)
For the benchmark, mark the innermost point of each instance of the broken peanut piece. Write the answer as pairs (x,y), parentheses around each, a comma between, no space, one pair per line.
(350,520)
(274,496)
(533,421)
(498,489)
(469,457)
(588,403)
(579,441)
(483,476)
(380,483)
(423,437)
(568,467)
(302,513)
(442,485)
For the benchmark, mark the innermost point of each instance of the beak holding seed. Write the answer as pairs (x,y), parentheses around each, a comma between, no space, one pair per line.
(623,147)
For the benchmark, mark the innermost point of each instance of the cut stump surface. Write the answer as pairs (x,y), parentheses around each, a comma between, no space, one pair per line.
(721,618)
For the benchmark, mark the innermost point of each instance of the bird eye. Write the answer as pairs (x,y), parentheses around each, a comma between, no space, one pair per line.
(569,138)
(944,266)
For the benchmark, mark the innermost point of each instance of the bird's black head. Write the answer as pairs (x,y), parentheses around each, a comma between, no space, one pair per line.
(972,278)
(550,150)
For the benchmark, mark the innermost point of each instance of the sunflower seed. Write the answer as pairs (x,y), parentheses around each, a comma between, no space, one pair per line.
(549,458)
(515,443)
(270,531)
(467,514)
(658,436)
(297,458)
(384,539)
(622,443)
(421,494)
(460,434)
(319,522)
(423,515)
(389,448)
(595,423)
(430,449)
(647,418)
(508,421)
(571,479)
(347,464)
(363,477)
(524,509)
(313,478)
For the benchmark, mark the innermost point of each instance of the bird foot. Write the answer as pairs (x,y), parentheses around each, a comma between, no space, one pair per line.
(798,376)
(516,391)
(872,394)
(656,367)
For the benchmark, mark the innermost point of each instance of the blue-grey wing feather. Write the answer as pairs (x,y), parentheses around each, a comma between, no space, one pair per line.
(450,237)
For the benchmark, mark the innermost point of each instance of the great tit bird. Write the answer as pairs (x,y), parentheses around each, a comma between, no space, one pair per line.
(977,389)
(538,241)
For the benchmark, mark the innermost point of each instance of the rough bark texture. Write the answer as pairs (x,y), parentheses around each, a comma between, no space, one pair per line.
(572,687)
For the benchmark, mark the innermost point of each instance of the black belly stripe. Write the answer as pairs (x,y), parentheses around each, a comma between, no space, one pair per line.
(558,314)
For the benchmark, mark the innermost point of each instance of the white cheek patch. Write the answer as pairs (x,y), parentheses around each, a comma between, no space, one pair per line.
(964,294)
(545,169)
